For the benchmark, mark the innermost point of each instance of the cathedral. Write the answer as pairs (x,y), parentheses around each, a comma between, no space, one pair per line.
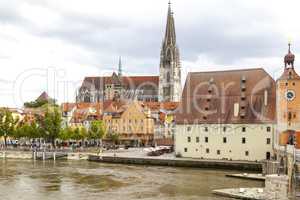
(163,88)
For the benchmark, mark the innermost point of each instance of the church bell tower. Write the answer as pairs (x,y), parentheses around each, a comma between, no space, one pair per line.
(170,69)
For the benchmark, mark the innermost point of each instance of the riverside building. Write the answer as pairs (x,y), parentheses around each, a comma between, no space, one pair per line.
(227,115)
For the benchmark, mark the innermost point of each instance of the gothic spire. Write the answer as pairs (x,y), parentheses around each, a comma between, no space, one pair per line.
(120,67)
(170,36)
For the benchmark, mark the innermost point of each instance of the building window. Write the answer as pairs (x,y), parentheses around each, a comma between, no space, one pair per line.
(197,139)
(268,140)
(206,139)
(224,129)
(185,149)
(243,129)
(189,128)
(224,140)
(189,139)
(244,140)
(218,152)
(289,116)
(246,153)
(207,150)
(268,129)
(206,129)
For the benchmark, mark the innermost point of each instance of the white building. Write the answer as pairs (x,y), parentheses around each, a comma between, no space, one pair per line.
(227,115)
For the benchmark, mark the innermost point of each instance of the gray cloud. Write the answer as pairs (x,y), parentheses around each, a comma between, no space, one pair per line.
(225,36)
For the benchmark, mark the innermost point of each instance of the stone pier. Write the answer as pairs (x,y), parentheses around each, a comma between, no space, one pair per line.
(277,187)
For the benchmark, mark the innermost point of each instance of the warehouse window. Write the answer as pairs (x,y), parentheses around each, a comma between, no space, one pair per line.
(268,129)
(206,139)
(218,152)
(189,139)
(207,150)
(243,129)
(197,139)
(246,153)
(224,140)
(244,140)
(268,140)
(185,149)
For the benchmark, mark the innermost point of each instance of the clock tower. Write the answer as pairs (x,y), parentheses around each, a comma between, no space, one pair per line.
(288,102)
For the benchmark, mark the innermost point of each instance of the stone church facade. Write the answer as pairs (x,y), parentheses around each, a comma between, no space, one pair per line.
(164,88)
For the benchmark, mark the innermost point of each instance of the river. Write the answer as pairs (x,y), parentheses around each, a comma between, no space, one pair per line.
(80,180)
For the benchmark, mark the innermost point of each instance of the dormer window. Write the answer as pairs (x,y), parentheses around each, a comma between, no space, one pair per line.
(243,79)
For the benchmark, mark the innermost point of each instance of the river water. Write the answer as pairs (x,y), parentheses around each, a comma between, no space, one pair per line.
(80,180)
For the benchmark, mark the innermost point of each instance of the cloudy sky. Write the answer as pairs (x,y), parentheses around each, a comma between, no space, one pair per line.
(52,44)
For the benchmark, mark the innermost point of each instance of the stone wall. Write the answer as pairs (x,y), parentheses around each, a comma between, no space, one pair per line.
(276,187)
(177,162)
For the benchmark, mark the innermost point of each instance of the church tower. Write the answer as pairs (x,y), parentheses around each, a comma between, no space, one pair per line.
(288,102)
(170,69)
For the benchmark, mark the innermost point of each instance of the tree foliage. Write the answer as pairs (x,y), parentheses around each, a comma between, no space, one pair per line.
(26,130)
(7,124)
(114,137)
(51,125)
(96,130)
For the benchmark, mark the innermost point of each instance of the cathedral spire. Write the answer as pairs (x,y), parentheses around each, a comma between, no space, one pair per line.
(170,36)
(170,69)
(120,67)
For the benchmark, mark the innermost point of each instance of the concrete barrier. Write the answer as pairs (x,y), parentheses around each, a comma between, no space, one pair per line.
(16,154)
(227,165)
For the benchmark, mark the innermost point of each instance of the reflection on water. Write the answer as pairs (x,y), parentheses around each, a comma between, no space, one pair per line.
(80,180)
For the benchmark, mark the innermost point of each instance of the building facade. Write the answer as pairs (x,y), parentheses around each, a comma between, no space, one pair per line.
(227,115)
(132,122)
(116,86)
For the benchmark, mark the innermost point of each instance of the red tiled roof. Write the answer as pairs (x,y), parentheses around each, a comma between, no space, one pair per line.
(132,82)
(209,97)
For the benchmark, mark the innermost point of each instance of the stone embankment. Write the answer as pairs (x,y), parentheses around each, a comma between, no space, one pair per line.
(16,154)
(179,162)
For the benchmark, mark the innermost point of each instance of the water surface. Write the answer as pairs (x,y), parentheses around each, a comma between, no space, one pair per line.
(80,180)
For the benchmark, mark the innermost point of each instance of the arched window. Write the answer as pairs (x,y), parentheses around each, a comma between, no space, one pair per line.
(168,77)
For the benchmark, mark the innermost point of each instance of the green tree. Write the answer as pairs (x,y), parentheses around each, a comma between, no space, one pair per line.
(65,134)
(96,130)
(76,135)
(30,131)
(7,124)
(51,125)
(113,137)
